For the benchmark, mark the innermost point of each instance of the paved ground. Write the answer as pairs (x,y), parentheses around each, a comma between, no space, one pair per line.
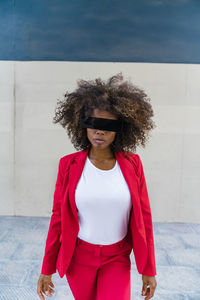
(22,242)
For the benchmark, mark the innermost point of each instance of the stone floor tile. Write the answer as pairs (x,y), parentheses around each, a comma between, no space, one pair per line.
(7,249)
(9,222)
(161,257)
(167,241)
(28,252)
(185,257)
(17,293)
(178,279)
(175,228)
(25,236)
(196,227)
(191,240)
(194,296)
(3,234)
(13,272)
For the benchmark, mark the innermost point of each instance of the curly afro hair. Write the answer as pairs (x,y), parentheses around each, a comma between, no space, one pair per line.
(121,98)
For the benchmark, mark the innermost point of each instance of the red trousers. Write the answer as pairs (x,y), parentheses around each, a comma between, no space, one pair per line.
(100,272)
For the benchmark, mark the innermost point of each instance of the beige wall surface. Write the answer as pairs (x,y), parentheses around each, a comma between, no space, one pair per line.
(31,144)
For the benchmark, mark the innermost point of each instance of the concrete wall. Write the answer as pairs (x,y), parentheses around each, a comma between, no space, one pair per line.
(31,144)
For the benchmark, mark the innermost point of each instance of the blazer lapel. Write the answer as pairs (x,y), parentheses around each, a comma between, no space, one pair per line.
(129,174)
(75,172)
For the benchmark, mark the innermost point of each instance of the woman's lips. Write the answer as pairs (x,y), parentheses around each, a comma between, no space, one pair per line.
(99,141)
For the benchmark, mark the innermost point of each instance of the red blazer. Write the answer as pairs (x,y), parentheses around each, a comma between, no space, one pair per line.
(64,225)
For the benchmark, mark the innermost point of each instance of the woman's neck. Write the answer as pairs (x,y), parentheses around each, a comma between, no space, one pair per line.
(100,154)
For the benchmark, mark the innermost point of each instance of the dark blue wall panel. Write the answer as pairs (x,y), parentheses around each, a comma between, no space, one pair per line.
(88,30)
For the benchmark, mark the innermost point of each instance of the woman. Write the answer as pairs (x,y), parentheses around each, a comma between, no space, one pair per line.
(101,209)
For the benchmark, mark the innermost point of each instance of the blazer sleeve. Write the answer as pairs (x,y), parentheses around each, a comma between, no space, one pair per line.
(150,268)
(53,236)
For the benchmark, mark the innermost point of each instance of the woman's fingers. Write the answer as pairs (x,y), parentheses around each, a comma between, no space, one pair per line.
(49,292)
(39,290)
(51,284)
(41,296)
(47,289)
(44,286)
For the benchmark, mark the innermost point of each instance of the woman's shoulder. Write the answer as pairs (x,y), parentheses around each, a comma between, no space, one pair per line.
(65,162)
(133,157)
(135,161)
(66,158)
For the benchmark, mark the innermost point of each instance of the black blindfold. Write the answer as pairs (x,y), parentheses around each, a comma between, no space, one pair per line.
(102,124)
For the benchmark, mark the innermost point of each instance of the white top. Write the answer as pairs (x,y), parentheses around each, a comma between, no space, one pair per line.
(104,202)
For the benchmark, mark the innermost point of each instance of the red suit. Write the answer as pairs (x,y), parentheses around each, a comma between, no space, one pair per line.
(64,224)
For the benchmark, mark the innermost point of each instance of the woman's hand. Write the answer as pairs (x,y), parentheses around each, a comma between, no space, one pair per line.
(43,286)
(148,291)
